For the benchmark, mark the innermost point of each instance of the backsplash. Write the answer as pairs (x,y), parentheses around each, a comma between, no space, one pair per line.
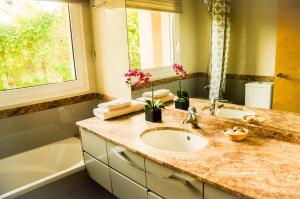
(235,86)
(194,86)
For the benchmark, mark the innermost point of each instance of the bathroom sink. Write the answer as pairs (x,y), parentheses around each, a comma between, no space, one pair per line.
(229,113)
(173,139)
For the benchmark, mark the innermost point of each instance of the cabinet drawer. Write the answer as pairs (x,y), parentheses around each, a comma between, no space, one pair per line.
(98,171)
(165,181)
(94,145)
(124,188)
(152,195)
(127,163)
(211,192)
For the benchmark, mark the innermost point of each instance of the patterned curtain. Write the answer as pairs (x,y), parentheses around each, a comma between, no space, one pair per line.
(219,47)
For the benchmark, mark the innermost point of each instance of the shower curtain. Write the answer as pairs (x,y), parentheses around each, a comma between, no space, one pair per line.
(220,19)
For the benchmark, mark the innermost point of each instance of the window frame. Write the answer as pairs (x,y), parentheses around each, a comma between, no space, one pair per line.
(39,93)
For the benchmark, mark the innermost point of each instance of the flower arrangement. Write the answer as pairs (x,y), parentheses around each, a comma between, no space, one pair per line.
(183,96)
(140,80)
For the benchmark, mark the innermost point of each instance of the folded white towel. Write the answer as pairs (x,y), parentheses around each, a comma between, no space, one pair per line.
(168,98)
(115,104)
(105,114)
(157,94)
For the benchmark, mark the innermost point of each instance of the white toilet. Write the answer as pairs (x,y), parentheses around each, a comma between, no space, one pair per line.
(259,94)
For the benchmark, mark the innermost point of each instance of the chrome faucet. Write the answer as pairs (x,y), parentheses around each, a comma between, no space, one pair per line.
(214,106)
(192,117)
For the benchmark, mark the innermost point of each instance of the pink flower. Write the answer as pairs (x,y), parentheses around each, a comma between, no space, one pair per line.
(179,70)
(140,77)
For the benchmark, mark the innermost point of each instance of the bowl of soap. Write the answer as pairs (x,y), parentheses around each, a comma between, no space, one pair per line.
(237,133)
(254,119)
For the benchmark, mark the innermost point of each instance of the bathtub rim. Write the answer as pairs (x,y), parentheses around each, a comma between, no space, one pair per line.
(79,166)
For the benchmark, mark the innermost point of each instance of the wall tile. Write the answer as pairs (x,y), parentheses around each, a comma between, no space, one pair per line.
(25,132)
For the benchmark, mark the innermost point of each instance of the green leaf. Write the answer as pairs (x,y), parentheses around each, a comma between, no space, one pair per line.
(148,107)
(159,105)
(183,95)
(149,102)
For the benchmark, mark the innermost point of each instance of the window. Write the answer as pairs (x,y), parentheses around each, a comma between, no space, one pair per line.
(153,38)
(35,44)
(42,51)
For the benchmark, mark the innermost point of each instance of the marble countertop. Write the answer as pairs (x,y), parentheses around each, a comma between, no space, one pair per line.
(278,124)
(258,167)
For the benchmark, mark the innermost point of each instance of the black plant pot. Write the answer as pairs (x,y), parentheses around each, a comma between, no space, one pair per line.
(182,105)
(153,116)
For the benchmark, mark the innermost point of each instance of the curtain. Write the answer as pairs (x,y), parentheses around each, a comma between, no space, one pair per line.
(156,5)
(219,47)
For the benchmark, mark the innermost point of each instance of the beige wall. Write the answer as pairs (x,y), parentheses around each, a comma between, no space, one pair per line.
(253,37)
(188,36)
(195,36)
(203,31)
(110,41)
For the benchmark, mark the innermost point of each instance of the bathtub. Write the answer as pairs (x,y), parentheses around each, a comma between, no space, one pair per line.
(32,169)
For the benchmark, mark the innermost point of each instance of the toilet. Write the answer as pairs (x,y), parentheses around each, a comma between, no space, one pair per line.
(259,94)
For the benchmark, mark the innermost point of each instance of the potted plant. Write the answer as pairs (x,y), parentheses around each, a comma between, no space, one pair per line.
(183,97)
(152,107)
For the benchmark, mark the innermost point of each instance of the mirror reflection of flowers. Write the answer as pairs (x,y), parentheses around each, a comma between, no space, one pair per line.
(142,80)
(182,95)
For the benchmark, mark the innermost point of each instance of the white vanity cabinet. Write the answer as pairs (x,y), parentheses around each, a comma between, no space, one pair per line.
(128,175)
(94,145)
(211,192)
(127,163)
(125,188)
(95,158)
(170,184)
(98,171)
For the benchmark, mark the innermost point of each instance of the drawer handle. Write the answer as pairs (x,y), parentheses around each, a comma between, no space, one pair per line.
(282,75)
(119,152)
(178,179)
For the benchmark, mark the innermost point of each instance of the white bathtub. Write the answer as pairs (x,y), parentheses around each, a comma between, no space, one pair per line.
(32,169)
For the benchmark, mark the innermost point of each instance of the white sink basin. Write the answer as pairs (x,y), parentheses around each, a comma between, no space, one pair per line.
(233,113)
(174,139)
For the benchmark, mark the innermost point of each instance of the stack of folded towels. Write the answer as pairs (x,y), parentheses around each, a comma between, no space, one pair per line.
(117,107)
(163,95)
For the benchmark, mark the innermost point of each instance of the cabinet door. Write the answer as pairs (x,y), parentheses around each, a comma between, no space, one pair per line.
(124,188)
(98,171)
(170,184)
(211,192)
(94,145)
(127,163)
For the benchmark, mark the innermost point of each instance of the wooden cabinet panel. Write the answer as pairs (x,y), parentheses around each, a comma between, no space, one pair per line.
(287,70)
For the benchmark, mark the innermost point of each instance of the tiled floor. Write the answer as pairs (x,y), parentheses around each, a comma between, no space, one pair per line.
(76,186)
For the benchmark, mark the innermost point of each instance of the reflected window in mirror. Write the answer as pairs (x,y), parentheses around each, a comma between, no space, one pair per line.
(153,39)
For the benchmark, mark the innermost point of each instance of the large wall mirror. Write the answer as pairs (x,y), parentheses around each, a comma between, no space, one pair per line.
(153,38)
(246,52)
